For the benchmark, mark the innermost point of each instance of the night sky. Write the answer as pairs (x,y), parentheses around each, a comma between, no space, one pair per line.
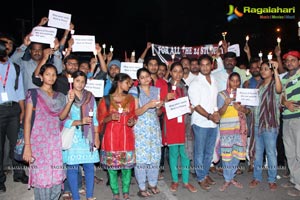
(128,25)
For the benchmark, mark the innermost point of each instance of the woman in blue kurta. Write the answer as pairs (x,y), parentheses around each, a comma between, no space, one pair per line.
(147,133)
(86,139)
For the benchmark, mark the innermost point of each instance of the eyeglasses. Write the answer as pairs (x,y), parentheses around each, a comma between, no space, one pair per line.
(73,64)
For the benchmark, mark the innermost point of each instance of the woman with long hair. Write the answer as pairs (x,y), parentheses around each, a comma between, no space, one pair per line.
(147,133)
(267,123)
(117,148)
(233,131)
(42,135)
(176,130)
(86,138)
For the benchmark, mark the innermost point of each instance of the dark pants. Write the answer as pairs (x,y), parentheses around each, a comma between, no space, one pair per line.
(9,127)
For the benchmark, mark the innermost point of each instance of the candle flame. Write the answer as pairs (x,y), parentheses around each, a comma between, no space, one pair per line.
(247,37)
(278,40)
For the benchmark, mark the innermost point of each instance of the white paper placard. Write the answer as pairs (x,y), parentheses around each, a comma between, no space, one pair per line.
(59,19)
(235,48)
(43,34)
(96,87)
(130,68)
(177,107)
(247,97)
(83,43)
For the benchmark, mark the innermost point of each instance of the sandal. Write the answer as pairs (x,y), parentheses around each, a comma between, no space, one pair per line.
(224,186)
(154,189)
(67,196)
(143,193)
(116,197)
(236,184)
(174,186)
(98,180)
(126,196)
(82,191)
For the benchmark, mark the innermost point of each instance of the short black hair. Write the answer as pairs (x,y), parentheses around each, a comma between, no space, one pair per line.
(230,55)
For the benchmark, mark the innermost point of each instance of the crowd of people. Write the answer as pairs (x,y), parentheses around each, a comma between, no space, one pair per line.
(128,132)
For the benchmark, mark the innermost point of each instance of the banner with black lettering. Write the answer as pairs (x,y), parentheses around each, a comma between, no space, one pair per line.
(175,53)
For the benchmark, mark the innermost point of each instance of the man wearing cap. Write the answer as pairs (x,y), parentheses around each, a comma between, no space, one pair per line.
(291,119)
(113,69)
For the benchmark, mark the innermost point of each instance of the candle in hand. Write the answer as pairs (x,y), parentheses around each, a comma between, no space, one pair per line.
(270,56)
(174,86)
(247,72)
(72,32)
(231,93)
(70,80)
(260,55)
(220,43)
(104,46)
(111,49)
(173,57)
(224,35)
(95,54)
(91,113)
(247,39)
(278,41)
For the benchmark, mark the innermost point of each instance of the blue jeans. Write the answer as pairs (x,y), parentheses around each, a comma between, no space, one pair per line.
(266,140)
(205,139)
(66,183)
(72,174)
(229,168)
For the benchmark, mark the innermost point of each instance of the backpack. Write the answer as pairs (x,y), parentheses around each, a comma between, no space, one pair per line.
(17,68)
(19,148)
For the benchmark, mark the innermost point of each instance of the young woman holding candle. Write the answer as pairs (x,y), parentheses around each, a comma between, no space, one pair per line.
(265,127)
(233,131)
(42,137)
(147,133)
(118,148)
(86,138)
(175,131)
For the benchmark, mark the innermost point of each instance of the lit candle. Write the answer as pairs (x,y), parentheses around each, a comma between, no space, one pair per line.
(247,72)
(70,80)
(260,55)
(173,57)
(91,113)
(278,41)
(111,49)
(72,32)
(247,39)
(52,45)
(104,46)
(220,43)
(133,54)
(174,86)
(224,35)
(270,56)
(231,94)
(120,109)
(95,54)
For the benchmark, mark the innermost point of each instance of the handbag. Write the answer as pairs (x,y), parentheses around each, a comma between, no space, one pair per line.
(67,135)
(19,148)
